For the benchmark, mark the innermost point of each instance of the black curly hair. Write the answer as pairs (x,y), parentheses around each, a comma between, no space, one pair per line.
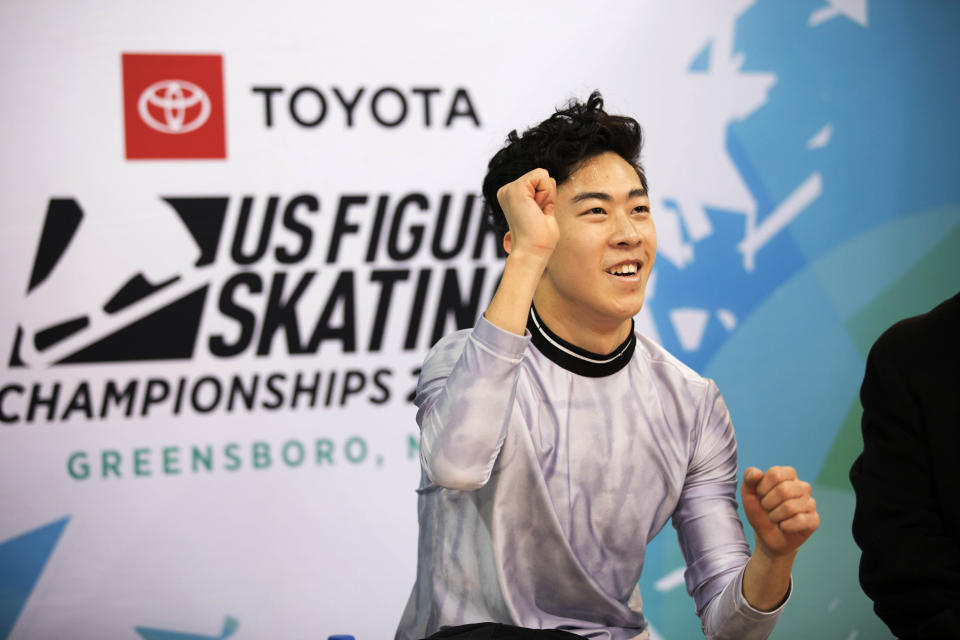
(560,144)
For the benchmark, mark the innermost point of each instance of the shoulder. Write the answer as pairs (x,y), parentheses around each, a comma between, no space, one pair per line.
(445,353)
(666,366)
(683,393)
(696,412)
(450,344)
(924,339)
(487,342)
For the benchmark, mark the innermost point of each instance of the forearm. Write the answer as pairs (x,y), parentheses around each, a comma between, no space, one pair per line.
(766,579)
(462,422)
(729,616)
(719,564)
(465,399)
(510,305)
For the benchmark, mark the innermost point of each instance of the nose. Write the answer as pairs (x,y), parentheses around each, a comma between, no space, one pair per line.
(627,232)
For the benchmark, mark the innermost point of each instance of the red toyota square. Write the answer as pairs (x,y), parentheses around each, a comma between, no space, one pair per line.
(173,106)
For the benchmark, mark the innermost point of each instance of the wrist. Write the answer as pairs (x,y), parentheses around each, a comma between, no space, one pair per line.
(766,581)
(511,302)
(767,555)
(529,259)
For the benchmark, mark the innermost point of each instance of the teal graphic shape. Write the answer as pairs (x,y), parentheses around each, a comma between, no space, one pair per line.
(811,325)
(791,411)
(827,601)
(913,290)
(22,560)
(870,264)
(229,627)
(702,61)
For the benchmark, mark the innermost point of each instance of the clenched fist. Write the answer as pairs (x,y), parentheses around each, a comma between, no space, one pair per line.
(528,204)
(780,509)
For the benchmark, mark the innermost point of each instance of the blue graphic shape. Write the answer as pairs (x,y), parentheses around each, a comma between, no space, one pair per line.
(873,171)
(887,92)
(702,62)
(749,173)
(790,368)
(792,410)
(229,627)
(716,280)
(22,560)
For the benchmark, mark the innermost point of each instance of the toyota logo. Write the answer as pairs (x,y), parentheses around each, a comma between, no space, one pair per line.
(182,106)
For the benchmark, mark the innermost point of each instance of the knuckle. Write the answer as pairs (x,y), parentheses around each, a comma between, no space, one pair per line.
(794,525)
(784,473)
(788,510)
(795,520)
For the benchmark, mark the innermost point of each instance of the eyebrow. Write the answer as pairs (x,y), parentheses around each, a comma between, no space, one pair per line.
(600,195)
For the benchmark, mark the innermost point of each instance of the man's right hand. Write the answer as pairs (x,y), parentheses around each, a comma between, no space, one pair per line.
(528,203)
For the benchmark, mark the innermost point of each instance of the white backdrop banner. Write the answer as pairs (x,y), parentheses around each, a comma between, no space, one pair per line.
(231,230)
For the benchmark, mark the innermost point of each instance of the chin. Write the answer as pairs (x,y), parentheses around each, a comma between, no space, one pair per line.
(633,308)
(626,312)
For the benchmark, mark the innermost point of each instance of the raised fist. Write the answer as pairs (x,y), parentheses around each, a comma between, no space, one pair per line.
(528,204)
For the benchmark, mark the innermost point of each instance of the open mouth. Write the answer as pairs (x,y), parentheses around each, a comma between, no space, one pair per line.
(624,270)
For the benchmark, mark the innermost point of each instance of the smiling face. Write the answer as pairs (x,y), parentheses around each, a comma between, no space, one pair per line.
(596,278)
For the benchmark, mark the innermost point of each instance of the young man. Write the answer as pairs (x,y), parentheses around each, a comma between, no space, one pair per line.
(556,441)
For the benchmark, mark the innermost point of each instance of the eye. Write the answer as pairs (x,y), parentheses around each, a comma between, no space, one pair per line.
(641,209)
(595,211)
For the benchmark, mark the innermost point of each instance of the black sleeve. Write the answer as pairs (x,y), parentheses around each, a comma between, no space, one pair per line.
(910,565)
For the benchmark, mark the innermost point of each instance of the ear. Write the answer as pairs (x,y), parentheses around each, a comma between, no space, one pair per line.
(507,242)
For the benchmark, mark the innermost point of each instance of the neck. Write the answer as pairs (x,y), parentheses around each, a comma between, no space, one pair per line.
(576,359)
(598,335)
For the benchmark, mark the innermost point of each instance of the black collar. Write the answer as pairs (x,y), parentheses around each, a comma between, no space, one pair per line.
(573,358)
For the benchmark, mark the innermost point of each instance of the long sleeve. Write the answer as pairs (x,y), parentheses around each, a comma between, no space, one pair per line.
(711,534)
(559,480)
(465,396)
(906,484)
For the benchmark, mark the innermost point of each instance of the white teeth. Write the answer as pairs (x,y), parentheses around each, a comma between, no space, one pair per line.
(623,269)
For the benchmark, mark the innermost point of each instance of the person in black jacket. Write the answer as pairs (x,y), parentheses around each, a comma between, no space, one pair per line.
(907,480)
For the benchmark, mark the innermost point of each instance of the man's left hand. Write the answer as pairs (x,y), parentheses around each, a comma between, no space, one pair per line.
(780,509)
